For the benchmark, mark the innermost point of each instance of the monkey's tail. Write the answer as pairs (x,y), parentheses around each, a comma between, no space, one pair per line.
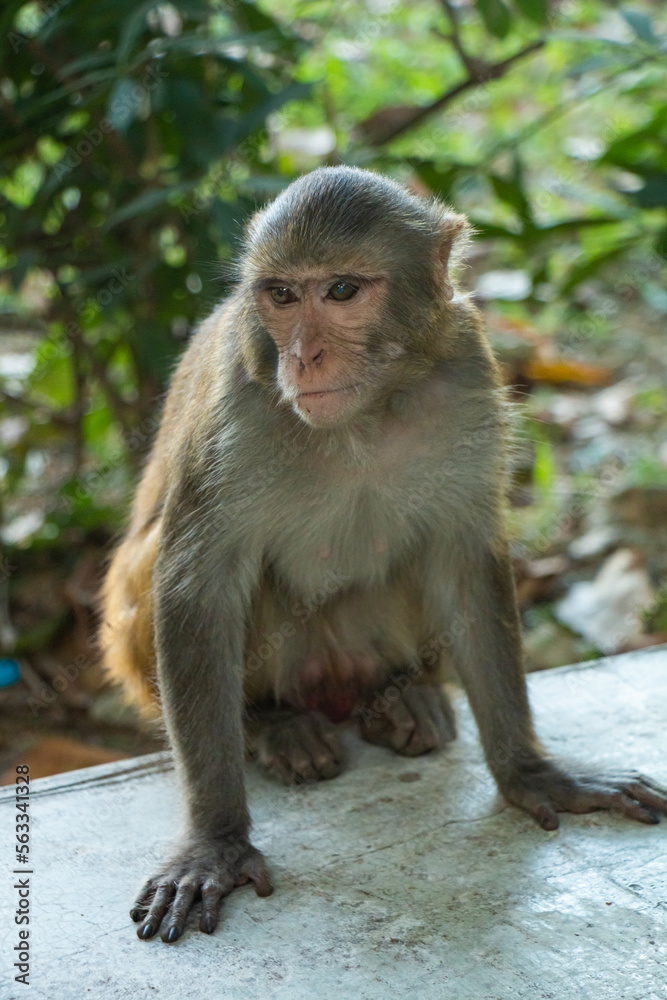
(126,634)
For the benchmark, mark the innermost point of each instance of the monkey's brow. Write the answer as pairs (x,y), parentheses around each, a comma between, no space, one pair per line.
(263,283)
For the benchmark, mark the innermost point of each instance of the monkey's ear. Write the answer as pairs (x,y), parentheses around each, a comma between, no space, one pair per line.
(455,232)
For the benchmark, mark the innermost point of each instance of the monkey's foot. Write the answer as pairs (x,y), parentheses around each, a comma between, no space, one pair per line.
(203,868)
(296,747)
(543,789)
(411,722)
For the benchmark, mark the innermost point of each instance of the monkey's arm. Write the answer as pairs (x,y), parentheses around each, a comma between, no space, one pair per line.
(202,593)
(488,659)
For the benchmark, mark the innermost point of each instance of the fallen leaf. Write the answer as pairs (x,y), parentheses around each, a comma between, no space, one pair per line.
(607,610)
(558,371)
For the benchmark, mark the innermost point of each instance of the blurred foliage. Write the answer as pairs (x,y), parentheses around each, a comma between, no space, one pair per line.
(138,137)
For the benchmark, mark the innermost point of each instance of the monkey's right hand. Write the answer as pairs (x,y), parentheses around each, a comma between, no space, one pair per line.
(202,868)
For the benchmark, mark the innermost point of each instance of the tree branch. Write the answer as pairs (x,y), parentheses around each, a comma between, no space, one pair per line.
(484,73)
(454,38)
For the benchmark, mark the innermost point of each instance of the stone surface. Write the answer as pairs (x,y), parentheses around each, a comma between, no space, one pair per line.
(55,754)
(402,878)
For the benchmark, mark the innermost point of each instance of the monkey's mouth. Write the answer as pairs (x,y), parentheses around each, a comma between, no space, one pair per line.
(324,406)
(320,393)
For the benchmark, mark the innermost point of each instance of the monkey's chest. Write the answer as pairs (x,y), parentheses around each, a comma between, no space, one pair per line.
(342,538)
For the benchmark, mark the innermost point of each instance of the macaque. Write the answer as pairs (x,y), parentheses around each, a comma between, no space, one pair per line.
(319,532)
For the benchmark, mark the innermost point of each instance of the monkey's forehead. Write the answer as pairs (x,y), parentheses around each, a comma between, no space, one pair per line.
(265,263)
(305,245)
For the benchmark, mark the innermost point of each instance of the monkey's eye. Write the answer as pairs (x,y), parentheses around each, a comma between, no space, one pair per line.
(342,291)
(282,296)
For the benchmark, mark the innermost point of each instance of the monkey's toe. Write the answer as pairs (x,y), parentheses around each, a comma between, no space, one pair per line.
(419,720)
(298,747)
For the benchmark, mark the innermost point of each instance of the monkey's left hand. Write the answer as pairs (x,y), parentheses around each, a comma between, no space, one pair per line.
(543,789)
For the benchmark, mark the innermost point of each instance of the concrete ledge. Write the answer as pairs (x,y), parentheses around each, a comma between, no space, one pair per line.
(402,878)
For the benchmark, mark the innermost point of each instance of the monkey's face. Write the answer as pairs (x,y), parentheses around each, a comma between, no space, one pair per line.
(321,325)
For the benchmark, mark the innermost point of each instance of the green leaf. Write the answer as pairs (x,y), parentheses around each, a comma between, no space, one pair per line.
(592,265)
(602,61)
(53,381)
(536,11)
(438,180)
(24,260)
(496,16)
(134,26)
(155,349)
(660,243)
(641,25)
(206,134)
(250,18)
(92,60)
(654,192)
(146,201)
(574,225)
(122,105)
(544,470)
(511,192)
(586,37)
(656,616)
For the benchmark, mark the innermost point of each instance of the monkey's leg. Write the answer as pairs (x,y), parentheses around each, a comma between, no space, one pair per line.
(488,659)
(199,642)
(295,746)
(412,722)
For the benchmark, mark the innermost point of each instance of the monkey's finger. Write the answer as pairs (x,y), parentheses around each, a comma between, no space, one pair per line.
(297,750)
(178,913)
(330,736)
(325,753)
(635,810)
(142,901)
(325,765)
(138,912)
(443,716)
(259,875)
(403,725)
(611,797)
(635,778)
(424,739)
(545,814)
(303,769)
(161,903)
(212,894)
(648,793)
(279,768)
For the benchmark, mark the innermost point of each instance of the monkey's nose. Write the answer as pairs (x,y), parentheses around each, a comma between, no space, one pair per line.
(310,356)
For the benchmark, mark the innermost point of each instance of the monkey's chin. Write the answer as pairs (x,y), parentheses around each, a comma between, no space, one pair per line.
(327,408)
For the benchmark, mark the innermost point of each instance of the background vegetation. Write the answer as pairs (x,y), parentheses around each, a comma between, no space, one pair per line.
(137,137)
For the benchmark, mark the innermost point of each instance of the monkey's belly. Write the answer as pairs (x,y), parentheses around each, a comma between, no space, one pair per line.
(330,655)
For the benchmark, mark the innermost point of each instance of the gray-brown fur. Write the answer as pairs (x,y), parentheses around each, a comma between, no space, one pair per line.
(321,524)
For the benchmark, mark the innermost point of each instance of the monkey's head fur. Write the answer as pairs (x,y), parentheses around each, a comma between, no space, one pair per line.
(348,276)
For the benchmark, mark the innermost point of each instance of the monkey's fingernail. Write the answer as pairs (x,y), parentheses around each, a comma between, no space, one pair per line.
(546,817)
(173,935)
(207,925)
(146,931)
(135,914)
